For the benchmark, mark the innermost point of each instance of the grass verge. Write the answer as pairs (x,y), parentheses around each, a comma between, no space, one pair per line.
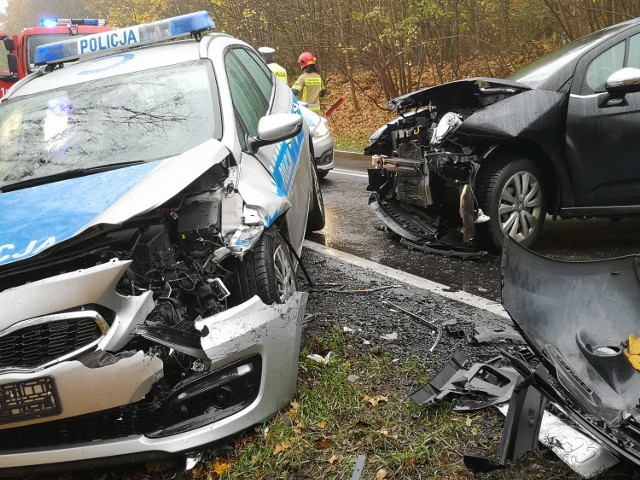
(354,405)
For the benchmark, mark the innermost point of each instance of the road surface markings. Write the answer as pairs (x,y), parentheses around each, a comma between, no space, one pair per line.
(414,280)
(353,173)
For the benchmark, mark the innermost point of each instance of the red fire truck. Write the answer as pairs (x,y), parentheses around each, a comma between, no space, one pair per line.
(22,47)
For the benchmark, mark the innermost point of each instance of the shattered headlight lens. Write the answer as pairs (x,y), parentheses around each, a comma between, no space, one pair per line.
(245,238)
(448,124)
(321,129)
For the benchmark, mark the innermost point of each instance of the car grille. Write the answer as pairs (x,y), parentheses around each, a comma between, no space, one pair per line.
(38,341)
(109,424)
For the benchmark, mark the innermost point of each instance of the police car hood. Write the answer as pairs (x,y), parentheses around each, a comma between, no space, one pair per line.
(37,218)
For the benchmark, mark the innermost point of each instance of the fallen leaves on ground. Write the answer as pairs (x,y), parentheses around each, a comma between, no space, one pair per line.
(281,447)
(381,474)
(323,444)
(375,400)
(219,465)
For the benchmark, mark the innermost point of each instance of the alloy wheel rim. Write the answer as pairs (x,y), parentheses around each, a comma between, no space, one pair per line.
(520,206)
(285,281)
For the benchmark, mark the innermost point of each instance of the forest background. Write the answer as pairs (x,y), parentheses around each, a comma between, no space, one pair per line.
(369,51)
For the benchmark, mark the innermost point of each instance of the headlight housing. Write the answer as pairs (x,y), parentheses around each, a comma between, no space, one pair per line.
(322,129)
(448,124)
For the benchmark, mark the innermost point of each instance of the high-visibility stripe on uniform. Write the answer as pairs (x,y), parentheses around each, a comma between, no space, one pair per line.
(279,71)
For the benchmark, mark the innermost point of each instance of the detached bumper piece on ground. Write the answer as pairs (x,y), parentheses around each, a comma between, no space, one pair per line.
(579,320)
(578,317)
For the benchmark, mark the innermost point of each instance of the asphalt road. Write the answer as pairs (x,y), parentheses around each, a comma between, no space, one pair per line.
(353,228)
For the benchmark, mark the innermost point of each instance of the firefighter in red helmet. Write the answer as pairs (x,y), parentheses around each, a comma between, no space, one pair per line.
(309,86)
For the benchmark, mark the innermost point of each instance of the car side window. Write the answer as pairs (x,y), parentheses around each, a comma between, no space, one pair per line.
(633,59)
(258,71)
(601,67)
(248,101)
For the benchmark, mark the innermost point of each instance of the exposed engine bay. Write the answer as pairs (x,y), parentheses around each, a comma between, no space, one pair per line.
(141,326)
(425,164)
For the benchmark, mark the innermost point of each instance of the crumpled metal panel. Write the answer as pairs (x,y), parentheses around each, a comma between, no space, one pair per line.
(84,390)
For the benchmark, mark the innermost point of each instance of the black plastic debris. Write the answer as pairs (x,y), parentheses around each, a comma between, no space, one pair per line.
(479,386)
(418,230)
(453,329)
(485,335)
(521,427)
(577,318)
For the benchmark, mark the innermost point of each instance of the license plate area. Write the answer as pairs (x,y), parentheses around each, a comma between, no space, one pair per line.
(28,400)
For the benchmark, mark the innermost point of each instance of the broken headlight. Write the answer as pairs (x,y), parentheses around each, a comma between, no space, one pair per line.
(448,124)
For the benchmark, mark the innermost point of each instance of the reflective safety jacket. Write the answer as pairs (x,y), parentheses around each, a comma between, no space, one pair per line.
(308,88)
(279,71)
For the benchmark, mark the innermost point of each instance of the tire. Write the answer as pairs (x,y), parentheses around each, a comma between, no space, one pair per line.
(267,270)
(323,173)
(315,220)
(520,215)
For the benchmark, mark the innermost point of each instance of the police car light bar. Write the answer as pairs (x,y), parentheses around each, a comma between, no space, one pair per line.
(65,22)
(122,38)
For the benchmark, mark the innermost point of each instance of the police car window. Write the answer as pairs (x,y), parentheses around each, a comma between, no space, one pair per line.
(601,67)
(257,70)
(142,116)
(247,99)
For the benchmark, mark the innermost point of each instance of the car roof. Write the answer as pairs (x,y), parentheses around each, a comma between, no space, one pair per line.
(125,62)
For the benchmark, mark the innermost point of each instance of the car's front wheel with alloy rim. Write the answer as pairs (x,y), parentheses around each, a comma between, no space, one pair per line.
(511,190)
(268,270)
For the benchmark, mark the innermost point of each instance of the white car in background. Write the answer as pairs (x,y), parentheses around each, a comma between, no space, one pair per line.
(322,141)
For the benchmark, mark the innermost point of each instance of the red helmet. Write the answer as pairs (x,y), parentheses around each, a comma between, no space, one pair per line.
(305,59)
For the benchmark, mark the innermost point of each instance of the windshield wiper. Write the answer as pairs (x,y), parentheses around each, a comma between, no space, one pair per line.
(75,173)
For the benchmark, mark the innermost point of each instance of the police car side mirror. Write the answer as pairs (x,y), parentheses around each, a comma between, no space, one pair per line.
(276,128)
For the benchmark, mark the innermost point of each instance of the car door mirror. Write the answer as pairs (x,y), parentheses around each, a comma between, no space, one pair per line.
(12,62)
(9,44)
(276,128)
(625,80)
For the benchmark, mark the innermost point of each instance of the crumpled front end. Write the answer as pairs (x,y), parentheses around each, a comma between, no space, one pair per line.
(93,366)
(142,334)
(425,161)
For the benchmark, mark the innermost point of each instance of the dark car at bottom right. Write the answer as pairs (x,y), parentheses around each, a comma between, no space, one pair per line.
(470,161)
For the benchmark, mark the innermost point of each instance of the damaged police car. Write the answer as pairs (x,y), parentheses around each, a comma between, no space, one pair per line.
(154,196)
(472,160)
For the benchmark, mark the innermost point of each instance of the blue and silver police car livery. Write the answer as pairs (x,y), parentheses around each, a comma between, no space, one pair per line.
(148,231)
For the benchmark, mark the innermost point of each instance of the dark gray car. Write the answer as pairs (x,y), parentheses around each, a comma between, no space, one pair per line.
(469,161)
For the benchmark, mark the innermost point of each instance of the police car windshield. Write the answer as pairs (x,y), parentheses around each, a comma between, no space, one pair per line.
(143,116)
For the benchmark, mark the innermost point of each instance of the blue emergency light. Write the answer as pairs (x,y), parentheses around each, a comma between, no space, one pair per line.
(122,38)
(64,22)
(49,22)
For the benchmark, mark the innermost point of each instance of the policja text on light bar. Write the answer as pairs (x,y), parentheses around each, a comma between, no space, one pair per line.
(105,42)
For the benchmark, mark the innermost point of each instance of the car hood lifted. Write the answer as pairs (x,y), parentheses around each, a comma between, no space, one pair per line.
(426,161)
